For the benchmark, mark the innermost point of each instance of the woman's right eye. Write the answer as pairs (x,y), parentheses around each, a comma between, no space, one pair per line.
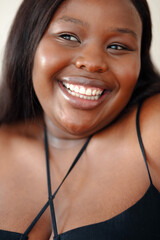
(69,37)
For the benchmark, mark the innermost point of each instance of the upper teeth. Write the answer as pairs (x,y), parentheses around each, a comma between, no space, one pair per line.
(83,90)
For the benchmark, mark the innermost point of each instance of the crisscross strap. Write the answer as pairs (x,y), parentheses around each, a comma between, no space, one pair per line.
(140,140)
(50,196)
(54,225)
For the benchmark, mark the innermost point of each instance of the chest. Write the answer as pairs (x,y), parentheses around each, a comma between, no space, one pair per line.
(102,184)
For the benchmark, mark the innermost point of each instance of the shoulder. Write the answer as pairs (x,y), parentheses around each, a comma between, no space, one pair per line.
(151,107)
(21,148)
(30,129)
(22,171)
(150,132)
(150,120)
(17,139)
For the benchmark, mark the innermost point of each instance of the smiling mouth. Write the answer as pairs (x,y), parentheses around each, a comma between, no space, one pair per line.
(84,92)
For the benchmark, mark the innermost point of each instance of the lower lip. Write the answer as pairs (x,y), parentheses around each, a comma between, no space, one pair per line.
(81,103)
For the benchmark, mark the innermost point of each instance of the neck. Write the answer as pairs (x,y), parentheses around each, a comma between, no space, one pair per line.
(61,143)
(57,138)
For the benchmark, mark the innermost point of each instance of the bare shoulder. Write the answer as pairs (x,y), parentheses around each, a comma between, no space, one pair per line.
(22,171)
(150,120)
(150,131)
(27,129)
(15,138)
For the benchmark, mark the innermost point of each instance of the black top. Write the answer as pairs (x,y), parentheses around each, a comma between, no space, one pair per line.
(139,222)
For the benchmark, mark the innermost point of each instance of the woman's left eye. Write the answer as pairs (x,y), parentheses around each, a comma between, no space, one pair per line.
(117,47)
(69,37)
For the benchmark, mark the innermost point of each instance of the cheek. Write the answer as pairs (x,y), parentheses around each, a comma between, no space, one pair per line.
(127,73)
(49,60)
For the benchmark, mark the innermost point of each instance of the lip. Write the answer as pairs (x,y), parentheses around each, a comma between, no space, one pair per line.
(85,104)
(88,81)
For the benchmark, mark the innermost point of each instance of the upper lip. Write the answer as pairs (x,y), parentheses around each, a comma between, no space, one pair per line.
(87,81)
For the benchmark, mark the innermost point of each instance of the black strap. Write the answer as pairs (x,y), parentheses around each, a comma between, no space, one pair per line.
(54,224)
(140,140)
(50,196)
(35,221)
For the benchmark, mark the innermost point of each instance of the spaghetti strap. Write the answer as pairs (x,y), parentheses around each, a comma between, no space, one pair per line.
(140,140)
(50,196)
(34,221)
(54,224)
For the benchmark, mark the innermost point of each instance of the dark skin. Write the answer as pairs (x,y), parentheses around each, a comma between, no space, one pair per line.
(112,167)
(96,55)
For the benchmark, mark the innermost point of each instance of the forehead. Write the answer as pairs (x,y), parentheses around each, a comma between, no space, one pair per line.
(108,11)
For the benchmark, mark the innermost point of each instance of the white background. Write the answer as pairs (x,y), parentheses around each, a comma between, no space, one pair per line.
(8,9)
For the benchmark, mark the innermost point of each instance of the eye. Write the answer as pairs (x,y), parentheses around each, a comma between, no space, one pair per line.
(69,37)
(117,47)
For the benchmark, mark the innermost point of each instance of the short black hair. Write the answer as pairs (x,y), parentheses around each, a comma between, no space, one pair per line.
(18,101)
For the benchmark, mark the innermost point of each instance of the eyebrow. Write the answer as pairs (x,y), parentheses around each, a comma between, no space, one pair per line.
(125,31)
(79,22)
(72,20)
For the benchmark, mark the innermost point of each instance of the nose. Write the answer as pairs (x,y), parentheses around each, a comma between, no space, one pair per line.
(92,59)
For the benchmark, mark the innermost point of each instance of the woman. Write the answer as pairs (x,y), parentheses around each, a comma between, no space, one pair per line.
(78,79)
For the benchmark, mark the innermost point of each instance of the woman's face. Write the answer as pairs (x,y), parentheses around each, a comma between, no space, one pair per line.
(87,64)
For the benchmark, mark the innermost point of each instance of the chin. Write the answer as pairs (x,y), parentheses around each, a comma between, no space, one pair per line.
(79,130)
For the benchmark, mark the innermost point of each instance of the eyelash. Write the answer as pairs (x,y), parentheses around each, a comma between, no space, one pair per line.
(117,47)
(68,37)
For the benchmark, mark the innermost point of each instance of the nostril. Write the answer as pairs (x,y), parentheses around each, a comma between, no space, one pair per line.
(91,64)
(82,66)
(79,64)
(100,70)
